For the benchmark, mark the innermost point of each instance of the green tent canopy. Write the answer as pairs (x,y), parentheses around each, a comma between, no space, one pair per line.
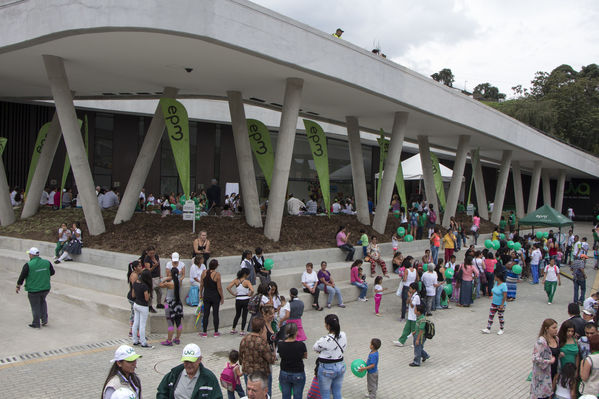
(545,216)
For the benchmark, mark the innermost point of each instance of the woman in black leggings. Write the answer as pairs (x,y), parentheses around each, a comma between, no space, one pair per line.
(211,291)
(242,292)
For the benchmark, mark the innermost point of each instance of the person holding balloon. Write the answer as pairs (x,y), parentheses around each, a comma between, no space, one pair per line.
(551,280)
(372,368)
(497,303)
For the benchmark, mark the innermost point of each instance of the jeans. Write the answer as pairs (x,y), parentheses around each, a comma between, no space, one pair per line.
(238,389)
(535,273)
(437,304)
(434,253)
(475,234)
(363,288)
(350,251)
(330,379)
(404,301)
(428,302)
(419,352)
(582,286)
(292,382)
(139,323)
(39,307)
(478,287)
(490,280)
(332,291)
(457,241)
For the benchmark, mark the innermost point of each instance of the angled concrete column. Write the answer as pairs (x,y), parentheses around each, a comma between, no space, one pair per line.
(7,215)
(504,174)
(357,169)
(143,163)
(247,177)
(71,132)
(427,172)
(398,133)
(40,175)
(546,188)
(283,154)
(456,179)
(533,196)
(559,192)
(518,194)
(481,194)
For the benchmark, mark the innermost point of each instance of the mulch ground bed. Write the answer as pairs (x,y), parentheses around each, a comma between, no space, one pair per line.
(228,235)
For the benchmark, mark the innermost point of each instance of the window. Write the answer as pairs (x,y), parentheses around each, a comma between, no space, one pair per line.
(103,150)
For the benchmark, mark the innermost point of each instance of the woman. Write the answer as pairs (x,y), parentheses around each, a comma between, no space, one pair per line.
(511,278)
(497,303)
(151,262)
(63,238)
(211,291)
(410,276)
(255,353)
(552,250)
(396,262)
(141,296)
(435,243)
(268,314)
(413,221)
(468,272)
(272,296)
(292,377)
(542,358)
(327,285)
(173,309)
(343,243)
(588,369)
(490,262)
(246,263)
(481,281)
(201,246)
(296,310)
(357,281)
(330,349)
(122,373)
(375,257)
(475,227)
(73,247)
(568,348)
(195,273)
(242,293)
(310,284)
(133,272)
(440,270)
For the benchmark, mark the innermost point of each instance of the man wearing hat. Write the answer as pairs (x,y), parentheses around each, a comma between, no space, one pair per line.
(190,380)
(338,33)
(36,274)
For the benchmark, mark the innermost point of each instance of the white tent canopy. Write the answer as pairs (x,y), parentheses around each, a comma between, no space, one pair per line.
(412,170)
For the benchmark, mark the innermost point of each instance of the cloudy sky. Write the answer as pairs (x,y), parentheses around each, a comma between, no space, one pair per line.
(503,42)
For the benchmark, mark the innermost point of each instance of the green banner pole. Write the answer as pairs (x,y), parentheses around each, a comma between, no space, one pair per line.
(262,147)
(438,180)
(474,161)
(177,126)
(401,186)
(318,146)
(37,150)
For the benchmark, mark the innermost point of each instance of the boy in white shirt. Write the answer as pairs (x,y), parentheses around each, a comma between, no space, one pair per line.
(429,279)
(535,259)
(413,301)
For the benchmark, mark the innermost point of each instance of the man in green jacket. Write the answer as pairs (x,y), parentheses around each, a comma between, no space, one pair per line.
(37,274)
(190,380)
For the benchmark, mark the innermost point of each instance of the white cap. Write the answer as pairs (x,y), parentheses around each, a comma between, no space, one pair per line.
(33,251)
(125,352)
(123,393)
(191,353)
(175,257)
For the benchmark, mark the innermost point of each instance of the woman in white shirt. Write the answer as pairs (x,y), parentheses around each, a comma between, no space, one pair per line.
(63,238)
(196,270)
(330,350)
(73,247)
(310,284)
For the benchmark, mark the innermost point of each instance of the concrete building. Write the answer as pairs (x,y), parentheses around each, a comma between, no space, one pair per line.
(113,62)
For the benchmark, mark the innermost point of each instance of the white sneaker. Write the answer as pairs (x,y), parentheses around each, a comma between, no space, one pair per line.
(548,303)
(500,332)
(486,331)
(397,343)
(362,299)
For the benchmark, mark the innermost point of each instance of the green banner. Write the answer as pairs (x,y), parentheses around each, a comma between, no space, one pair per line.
(383,150)
(37,150)
(401,186)
(67,164)
(474,160)
(438,181)
(399,181)
(177,126)
(318,146)
(262,147)
(3,141)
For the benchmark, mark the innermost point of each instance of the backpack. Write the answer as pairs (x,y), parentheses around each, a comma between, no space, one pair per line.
(193,297)
(254,304)
(432,216)
(429,329)
(228,378)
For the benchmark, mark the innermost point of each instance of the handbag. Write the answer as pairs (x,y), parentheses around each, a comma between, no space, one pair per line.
(74,247)
(399,289)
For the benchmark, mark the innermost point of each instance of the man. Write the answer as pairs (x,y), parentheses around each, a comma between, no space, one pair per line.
(569,245)
(588,314)
(312,205)
(45,197)
(142,199)
(338,33)
(512,221)
(295,206)
(190,380)
(108,200)
(574,313)
(37,274)
(257,386)
(213,194)
(51,196)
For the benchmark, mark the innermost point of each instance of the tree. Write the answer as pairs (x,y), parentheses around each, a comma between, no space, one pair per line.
(487,92)
(444,76)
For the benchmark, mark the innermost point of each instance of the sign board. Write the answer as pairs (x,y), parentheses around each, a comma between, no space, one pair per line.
(470,210)
(189,206)
(189,212)
(188,216)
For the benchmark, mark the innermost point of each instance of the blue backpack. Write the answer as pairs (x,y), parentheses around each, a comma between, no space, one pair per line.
(193,298)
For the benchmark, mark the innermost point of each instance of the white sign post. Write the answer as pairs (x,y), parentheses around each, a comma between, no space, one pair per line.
(470,210)
(189,212)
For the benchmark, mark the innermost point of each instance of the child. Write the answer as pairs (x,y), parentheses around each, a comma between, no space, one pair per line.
(372,365)
(378,294)
(596,254)
(564,382)
(233,364)
(395,242)
(413,301)
(551,280)
(419,338)
(364,242)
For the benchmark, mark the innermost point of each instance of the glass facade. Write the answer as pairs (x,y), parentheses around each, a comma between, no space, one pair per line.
(104,128)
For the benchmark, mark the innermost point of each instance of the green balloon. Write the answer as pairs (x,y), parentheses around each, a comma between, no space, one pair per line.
(502,236)
(268,263)
(401,231)
(396,214)
(448,288)
(409,238)
(597,217)
(539,234)
(355,365)
(488,244)
(516,269)
(510,244)
(496,245)
(449,273)
(546,234)
(517,246)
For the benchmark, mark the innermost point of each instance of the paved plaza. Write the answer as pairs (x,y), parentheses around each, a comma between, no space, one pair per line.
(70,357)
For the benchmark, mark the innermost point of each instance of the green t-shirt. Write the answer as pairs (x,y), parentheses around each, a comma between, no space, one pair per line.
(364,240)
(461,208)
(420,324)
(502,224)
(422,219)
(570,351)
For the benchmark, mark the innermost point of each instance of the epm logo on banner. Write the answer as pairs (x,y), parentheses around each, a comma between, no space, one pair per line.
(578,190)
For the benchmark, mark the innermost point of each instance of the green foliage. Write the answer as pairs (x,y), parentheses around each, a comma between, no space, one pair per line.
(444,76)
(487,92)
